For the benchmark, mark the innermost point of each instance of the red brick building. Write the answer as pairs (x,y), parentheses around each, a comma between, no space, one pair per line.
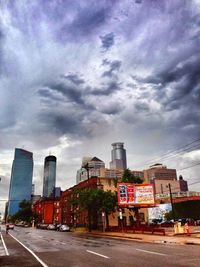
(48,210)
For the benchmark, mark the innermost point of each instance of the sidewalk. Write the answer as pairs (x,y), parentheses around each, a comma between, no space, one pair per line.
(170,237)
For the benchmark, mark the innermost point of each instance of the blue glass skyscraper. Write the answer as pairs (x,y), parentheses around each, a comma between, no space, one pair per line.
(49,176)
(21,179)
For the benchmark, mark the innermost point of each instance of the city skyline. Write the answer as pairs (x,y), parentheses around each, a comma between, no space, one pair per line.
(74,78)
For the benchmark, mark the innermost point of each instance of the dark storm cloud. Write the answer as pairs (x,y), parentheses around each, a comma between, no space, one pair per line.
(107,40)
(70,92)
(114,67)
(184,83)
(141,107)
(111,109)
(74,79)
(68,123)
(88,20)
(107,89)
(46,93)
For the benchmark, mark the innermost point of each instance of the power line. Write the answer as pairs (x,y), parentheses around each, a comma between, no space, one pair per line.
(189,166)
(176,188)
(180,149)
(181,152)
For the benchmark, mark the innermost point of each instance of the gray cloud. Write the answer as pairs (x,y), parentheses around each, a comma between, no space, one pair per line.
(74,79)
(107,40)
(107,89)
(114,67)
(70,92)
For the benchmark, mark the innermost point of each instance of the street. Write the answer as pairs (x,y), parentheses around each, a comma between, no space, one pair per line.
(53,248)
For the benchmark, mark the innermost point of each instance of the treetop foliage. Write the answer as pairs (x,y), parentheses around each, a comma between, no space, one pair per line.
(128,177)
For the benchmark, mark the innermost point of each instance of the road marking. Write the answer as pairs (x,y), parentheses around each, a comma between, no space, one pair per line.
(4,245)
(29,250)
(151,252)
(97,254)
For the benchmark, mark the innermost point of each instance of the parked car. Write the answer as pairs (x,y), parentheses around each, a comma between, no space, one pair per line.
(42,226)
(167,224)
(11,226)
(64,228)
(197,222)
(51,227)
(189,221)
(156,221)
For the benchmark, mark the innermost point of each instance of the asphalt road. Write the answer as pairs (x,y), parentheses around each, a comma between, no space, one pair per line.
(80,250)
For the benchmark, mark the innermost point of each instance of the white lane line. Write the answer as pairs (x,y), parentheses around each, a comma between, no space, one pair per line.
(34,255)
(97,254)
(151,252)
(4,245)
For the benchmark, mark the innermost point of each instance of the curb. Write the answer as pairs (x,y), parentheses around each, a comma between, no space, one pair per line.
(140,239)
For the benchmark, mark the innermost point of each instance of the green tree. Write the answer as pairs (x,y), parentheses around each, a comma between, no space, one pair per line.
(94,201)
(129,177)
(108,205)
(25,212)
(187,209)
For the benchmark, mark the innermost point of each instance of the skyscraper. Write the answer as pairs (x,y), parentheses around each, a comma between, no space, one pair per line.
(118,156)
(21,179)
(49,176)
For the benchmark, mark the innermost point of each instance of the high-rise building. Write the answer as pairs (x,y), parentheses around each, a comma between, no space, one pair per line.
(118,156)
(49,176)
(21,179)
(90,168)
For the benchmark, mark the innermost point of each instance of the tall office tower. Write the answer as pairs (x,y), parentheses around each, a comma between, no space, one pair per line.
(118,155)
(21,179)
(49,176)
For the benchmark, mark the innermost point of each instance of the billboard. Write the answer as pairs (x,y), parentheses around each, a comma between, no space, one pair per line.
(137,195)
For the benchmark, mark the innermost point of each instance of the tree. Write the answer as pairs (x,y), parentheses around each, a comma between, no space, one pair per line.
(129,177)
(187,209)
(109,202)
(94,201)
(25,212)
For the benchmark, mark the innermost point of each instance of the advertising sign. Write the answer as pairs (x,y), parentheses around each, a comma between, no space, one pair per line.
(139,195)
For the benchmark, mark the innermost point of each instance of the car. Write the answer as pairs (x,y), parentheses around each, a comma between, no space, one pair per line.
(42,226)
(64,228)
(51,227)
(189,221)
(156,221)
(11,226)
(198,222)
(167,224)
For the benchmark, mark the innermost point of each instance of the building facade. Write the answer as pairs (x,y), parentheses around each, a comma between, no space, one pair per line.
(159,171)
(48,210)
(90,168)
(21,180)
(63,210)
(118,156)
(49,180)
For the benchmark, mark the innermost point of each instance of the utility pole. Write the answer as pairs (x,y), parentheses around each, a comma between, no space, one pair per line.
(171,200)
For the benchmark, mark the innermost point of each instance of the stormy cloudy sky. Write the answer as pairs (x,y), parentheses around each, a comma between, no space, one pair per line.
(76,76)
